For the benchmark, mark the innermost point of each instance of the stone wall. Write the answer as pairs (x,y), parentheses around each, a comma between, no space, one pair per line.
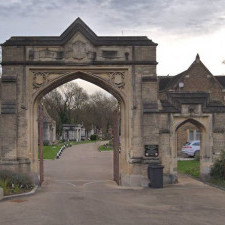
(218,134)
(125,67)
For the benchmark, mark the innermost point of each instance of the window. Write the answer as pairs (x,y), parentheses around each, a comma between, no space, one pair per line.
(194,135)
(109,54)
(191,135)
(198,135)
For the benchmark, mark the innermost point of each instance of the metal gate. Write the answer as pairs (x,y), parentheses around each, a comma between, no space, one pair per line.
(116,147)
(41,143)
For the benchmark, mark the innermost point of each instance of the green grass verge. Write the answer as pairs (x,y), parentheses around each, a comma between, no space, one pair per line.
(50,151)
(102,148)
(190,167)
(217,182)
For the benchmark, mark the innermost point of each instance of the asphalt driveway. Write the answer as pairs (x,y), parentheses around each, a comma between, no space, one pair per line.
(78,189)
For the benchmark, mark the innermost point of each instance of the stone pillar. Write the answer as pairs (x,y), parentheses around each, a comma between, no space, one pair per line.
(144,92)
(13,124)
(8,129)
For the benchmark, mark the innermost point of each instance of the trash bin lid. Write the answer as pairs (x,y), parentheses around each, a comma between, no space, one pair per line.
(155,166)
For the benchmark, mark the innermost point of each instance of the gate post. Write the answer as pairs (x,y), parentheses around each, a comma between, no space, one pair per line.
(116,144)
(41,143)
(8,125)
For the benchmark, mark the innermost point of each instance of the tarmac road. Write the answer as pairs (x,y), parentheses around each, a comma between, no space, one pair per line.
(78,189)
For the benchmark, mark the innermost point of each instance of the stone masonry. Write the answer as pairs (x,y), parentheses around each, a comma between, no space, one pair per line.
(126,68)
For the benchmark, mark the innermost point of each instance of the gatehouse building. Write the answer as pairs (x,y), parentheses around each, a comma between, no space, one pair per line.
(152,108)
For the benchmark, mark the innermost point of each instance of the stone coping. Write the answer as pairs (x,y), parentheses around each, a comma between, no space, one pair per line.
(18,195)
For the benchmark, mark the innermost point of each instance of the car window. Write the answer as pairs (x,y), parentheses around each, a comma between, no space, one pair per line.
(187,143)
(196,144)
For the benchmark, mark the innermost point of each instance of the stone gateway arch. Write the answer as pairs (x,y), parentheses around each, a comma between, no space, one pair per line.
(123,66)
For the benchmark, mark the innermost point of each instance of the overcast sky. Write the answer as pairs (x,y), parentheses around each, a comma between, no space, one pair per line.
(182,28)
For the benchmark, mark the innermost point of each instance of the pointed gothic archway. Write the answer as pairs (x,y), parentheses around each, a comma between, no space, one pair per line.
(49,83)
(204,125)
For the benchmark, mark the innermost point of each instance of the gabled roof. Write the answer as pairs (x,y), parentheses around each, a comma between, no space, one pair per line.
(163,81)
(221,79)
(166,82)
(79,26)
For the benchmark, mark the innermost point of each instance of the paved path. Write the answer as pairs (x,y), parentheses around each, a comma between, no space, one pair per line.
(78,190)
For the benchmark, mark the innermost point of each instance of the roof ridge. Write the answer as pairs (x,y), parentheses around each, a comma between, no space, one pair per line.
(79,26)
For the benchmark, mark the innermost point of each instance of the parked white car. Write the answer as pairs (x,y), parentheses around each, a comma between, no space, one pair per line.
(191,148)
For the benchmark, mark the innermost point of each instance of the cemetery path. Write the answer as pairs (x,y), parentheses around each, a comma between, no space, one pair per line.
(78,189)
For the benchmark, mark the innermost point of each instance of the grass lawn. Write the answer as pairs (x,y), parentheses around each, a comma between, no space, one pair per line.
(103,148)
(190,167)
(50,151)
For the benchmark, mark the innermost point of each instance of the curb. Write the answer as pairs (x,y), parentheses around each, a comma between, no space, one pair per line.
(214,185)
(205,182)
(22,194)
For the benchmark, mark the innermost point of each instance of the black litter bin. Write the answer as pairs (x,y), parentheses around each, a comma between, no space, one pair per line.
(155,175)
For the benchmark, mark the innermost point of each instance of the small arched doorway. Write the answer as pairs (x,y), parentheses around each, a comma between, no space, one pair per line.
(189,145)
(187,132)
(203,126)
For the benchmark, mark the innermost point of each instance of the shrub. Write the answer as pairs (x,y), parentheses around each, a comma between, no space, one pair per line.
(13,182)
(46,142)
(4,185)
(94,137)
(20,180)
(218,169)
(111,143)
(5,174)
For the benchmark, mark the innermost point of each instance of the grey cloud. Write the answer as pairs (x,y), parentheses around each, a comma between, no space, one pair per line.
(169,15)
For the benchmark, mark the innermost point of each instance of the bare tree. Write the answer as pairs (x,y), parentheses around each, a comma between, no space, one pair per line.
(63,101)
(102,108)
(71,104)
(74,96)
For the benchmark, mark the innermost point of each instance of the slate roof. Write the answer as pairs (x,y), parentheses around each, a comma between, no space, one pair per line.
(167,81)
(221,79)
(79,26)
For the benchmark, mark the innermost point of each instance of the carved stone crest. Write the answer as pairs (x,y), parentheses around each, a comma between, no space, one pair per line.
(42,77)
(117,78)
(39,78)
(79,50)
